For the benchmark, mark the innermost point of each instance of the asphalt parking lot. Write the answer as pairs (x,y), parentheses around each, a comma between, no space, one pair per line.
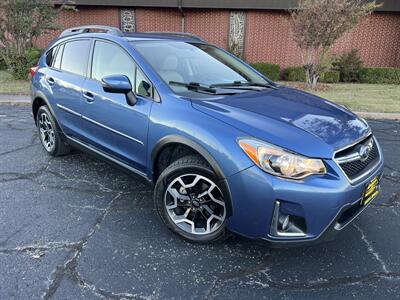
(76,228)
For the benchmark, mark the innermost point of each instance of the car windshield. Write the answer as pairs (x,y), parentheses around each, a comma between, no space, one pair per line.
(184,66)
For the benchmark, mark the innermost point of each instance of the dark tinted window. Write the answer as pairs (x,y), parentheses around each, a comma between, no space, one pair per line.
(75,57)
(143,86)
(57,59)
(50,54)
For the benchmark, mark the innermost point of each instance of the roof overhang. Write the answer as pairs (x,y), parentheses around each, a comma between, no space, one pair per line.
(388,5)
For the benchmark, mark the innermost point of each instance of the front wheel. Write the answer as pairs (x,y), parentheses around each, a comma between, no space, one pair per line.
(189,201)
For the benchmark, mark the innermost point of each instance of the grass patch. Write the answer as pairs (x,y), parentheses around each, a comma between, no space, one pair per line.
(8,85)
(360,97)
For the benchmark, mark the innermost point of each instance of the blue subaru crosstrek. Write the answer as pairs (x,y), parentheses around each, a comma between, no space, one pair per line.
(224,147)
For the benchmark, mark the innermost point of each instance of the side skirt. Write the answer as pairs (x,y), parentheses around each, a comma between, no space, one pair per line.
(111,160)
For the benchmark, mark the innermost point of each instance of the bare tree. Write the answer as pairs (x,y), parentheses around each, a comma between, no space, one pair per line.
(317,24)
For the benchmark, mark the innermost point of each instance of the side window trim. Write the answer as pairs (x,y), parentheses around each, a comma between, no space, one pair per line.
(53,59)
(137,67)
(61,51)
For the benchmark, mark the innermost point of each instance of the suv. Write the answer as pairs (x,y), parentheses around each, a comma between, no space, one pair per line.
(224,147)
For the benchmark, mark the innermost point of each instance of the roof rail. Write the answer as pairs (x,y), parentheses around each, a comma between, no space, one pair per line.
(177,34)
(88,28)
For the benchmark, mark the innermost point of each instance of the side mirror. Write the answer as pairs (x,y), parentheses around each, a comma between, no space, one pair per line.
(119,84)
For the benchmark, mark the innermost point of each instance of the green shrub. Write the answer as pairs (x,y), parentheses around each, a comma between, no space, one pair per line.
(32,56)
(294,74)
(19,64)
(3,65)
(330,77)
(380,75)
(269,70)
(349,65)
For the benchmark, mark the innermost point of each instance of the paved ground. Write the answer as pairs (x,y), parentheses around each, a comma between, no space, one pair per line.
(75,228)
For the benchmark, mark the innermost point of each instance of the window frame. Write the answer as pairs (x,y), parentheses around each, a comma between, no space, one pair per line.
(55,51)
(90,64)
(60,47)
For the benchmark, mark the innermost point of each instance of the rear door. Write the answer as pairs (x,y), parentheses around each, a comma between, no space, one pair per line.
(110,124)
(65,79)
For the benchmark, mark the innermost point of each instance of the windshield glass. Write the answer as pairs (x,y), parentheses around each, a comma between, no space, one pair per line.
(183,62)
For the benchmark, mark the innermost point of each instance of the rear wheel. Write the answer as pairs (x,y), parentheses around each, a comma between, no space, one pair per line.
(50,134)
(189,200)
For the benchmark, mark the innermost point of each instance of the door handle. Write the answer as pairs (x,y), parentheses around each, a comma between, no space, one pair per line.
(88,96)
(50,81)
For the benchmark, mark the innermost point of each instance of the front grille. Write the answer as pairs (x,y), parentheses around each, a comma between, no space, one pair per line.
(356,168)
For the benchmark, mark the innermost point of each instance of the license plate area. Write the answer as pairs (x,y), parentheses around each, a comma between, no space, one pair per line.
(371,190)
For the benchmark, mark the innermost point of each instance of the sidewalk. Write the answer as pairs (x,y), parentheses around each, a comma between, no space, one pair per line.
(25,100)
(6,99)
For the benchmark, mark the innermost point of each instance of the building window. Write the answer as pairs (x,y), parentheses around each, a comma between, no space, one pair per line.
(127,20)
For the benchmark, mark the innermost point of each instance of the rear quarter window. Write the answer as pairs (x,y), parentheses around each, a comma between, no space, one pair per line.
(75,57)
(50,55)
(57,59)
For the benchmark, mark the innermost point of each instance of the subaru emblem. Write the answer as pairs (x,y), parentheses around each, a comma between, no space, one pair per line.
(364,152)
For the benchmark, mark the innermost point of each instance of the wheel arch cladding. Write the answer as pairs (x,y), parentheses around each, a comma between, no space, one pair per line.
(190,147)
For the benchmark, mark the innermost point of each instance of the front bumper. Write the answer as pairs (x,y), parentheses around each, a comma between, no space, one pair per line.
(327,203)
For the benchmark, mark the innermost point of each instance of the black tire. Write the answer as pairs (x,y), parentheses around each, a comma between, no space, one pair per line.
(60,146)
(192,164)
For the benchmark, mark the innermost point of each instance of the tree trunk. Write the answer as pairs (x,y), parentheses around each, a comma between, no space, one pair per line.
(312,76)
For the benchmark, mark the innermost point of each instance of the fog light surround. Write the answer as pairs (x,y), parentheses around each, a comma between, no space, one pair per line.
(285,225)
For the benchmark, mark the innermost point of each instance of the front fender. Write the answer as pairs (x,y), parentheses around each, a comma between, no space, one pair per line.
(177,122)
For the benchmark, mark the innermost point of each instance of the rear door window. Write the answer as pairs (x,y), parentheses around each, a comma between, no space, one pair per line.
(75,57)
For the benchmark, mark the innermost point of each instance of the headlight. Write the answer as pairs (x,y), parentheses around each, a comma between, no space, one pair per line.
(280,162)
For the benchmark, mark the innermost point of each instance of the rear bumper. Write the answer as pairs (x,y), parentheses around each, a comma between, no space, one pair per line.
(327,203)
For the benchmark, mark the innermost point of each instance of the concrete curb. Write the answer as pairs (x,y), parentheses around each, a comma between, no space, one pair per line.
(378,115)
(23,100)
(6,99)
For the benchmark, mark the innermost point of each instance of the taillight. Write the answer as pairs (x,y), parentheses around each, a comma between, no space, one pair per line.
(32,71)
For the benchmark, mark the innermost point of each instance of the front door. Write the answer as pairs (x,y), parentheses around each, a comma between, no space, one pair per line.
(110,124)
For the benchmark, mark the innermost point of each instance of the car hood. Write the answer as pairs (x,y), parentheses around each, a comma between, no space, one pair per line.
(289,118)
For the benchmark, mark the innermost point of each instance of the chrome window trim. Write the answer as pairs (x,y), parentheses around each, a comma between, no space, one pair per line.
(370,170)
(99,124)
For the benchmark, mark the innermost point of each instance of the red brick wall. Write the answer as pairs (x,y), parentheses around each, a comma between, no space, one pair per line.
(377,38)
(211,25)
(84,16)
(157,19)
(268,36)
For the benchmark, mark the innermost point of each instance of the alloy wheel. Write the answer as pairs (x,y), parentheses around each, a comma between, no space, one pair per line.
(195,204)
(47,134)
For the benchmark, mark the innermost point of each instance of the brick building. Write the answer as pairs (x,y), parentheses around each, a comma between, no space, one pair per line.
(259,29)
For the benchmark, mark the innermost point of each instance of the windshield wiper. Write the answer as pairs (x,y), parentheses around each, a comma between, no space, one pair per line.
(239,84)
(194,86)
